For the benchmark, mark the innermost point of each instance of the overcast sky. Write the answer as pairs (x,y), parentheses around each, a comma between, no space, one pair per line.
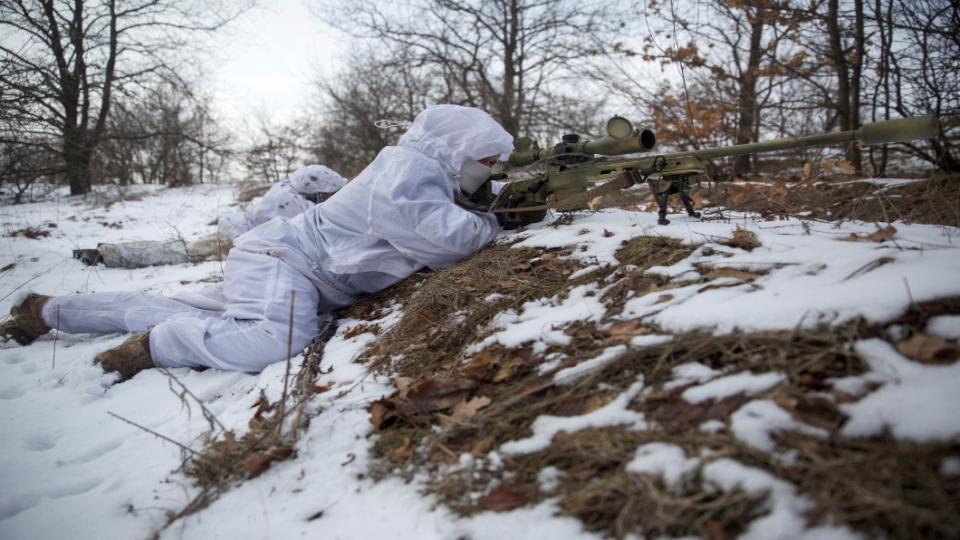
(264,61)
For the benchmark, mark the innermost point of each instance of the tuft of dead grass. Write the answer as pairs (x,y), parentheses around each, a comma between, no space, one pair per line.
(934,200)
(248,191)
(882,487)
(449,307)
(226,458)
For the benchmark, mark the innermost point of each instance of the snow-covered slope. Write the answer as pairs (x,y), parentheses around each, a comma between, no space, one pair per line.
(71,467)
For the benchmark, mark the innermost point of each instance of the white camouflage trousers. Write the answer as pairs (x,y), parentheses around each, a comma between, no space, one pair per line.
(243,326)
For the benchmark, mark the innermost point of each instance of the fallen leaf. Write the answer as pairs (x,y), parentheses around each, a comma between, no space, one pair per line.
(664,298)
(491,365)
(779,192)
(468,408)
(806,170)
(929,349)
(380,412)
(483,445)
(321,388)
(727,272)
(852,237)
(502,499)
(607,233)
(697,199)
(816,411)
(428,394)
(402,452)
(885,233)
(402,384)
(481,365)
(828,165)
(256,463)
(846,167)
(626,330)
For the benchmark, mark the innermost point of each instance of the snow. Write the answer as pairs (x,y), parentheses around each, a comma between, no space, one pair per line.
(575,373)
(731,385)
(70,469)
(756,422)
(812,276)
(666,460)
(612,414)
(690,372)
(542,322)
(785,518)
(945,326)
(916,402)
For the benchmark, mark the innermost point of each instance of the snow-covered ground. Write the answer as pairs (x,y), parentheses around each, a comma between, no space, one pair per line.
(70,468)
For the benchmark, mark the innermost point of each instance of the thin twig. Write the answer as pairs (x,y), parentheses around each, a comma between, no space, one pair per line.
(154,433)
(286,374)
(56,334)
(206,412)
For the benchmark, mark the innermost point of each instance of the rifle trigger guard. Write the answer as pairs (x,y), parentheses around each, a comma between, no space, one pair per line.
(659,163)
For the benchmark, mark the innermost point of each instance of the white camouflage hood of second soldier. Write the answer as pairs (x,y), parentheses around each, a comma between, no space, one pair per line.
(452,134)
(316,179)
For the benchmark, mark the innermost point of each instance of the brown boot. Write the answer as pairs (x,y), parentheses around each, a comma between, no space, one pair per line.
(27,322)
(129,358)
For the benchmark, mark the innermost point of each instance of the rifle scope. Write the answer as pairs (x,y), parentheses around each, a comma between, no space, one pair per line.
(621,138)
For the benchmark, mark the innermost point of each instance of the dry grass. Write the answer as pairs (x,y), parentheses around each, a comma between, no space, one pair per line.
(227,458)
(448,310)
(882,487)
(934,200)
(248,191)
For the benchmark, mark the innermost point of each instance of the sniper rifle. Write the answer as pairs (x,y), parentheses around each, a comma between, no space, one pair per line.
(579,171)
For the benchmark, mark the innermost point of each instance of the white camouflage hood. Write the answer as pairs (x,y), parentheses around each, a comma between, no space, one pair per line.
(316,179)
(452,134)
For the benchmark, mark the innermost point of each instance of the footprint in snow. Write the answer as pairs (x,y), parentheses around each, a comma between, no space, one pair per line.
(12,392)
(38,442)
(92,453)
(14,358)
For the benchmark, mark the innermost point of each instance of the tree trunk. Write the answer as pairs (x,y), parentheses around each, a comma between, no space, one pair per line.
(77,157)
(747,103)
(508,112)
(848,85)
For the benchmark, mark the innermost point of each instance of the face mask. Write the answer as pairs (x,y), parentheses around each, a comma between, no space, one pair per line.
(472,175)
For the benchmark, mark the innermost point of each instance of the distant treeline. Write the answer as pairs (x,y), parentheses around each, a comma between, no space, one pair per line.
(100,91)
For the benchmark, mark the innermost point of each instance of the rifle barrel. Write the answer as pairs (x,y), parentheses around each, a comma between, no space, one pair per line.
(889,131)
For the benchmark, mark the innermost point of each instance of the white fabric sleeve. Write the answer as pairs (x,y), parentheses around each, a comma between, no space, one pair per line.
(443,233)
(234,224)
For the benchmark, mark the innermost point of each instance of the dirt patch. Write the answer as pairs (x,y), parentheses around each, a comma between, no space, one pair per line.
(33,233)
(248,191)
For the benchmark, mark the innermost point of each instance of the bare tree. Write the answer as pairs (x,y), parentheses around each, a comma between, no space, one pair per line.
(364,108)
(925,68)
(65,61)
(727,57)
(166,135)
(275,151)
(505,56)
